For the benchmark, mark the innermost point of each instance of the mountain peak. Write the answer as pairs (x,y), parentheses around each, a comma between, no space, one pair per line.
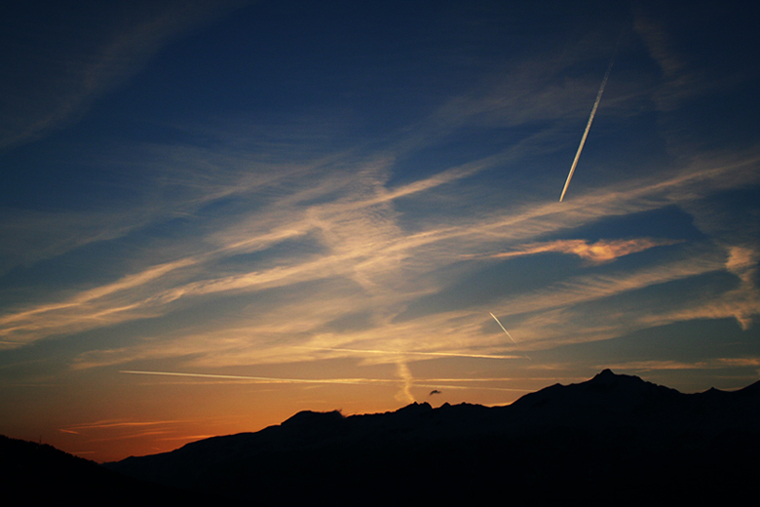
(311,418)
(607,377)
(416,407)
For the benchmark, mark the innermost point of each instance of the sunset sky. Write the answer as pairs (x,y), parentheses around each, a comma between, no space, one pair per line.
(214,215)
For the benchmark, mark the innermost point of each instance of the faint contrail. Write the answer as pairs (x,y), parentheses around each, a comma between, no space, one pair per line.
(588,127)
(409,353)
(268,380)
(406,382)
(505,330)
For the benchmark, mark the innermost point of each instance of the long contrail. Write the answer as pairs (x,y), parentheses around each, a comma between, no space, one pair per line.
(270,380)
(266,380)
(588,127)
(410,353)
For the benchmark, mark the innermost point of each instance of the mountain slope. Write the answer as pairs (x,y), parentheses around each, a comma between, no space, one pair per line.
(37,473)
(610,434)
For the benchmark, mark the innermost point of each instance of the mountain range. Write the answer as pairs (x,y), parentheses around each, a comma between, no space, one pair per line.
(614,438)
(38,474)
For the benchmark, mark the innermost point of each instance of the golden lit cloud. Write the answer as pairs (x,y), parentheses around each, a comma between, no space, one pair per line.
(598,252)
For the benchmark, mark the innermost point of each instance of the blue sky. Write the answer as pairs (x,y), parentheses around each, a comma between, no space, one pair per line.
(214,214)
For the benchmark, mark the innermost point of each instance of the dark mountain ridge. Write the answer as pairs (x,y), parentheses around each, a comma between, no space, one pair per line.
(39,473)
(611,434)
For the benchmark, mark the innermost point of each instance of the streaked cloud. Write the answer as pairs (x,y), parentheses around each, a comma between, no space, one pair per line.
(361,241)
(715,363)
(77,68)
(282,212)
(265,380)
(597,252)
(681,81)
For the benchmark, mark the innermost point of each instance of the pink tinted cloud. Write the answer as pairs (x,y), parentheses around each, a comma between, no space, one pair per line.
(600,252)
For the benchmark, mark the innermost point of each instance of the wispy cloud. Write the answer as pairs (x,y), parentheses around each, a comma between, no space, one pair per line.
(264,380)
(715,363)
(741,303)
(405,382)
(598,252)
(412,353)
(71,76)
(361,241)
(681,82)
(333,228)
(282,235)
(90,308)
(117,424)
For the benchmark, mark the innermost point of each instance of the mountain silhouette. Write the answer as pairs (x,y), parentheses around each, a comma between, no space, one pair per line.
(32,473)
(612,439)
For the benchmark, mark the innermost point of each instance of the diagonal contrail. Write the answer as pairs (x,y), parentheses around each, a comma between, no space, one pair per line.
(505,330)
(588,127)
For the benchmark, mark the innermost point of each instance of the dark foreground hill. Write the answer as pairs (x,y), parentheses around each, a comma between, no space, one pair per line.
(614,439)
(38,474)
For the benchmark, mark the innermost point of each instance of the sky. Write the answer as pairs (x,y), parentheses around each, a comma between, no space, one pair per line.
(214,215)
